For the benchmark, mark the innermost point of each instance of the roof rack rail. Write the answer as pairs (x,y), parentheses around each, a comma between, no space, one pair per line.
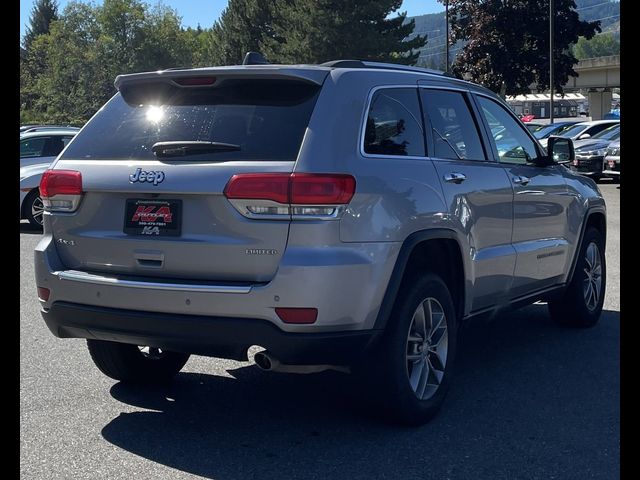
(382,66)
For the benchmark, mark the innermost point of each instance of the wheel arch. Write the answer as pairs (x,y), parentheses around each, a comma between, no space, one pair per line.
(435,250)
(23,213)
(595,217)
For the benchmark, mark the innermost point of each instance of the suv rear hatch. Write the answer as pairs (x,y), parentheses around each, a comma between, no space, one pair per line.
(161,212)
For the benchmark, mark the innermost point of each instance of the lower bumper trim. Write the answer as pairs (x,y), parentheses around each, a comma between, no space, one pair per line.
(221,337)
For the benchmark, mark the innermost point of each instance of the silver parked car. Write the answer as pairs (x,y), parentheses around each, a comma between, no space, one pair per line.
(349,215)
(37,150)
(611,164)
(583,130)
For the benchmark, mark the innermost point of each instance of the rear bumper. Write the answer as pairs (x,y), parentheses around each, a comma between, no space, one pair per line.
(346,284)
(205,335)
(611,173)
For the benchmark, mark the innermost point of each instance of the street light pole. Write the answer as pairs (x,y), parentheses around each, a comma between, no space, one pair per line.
(551,32)
(446,14)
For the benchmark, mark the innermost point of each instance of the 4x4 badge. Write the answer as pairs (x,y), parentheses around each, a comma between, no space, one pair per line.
(151,177)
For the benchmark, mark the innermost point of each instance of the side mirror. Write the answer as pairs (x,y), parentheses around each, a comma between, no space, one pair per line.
(584,136)
(560,150)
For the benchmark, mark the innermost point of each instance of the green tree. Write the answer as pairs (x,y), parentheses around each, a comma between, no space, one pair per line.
(507,42)
(42,14)
(242,26)
(601,45)
(68,73)
(313,31)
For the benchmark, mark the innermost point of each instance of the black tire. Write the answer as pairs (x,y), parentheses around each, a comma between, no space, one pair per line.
(128,363)
(391,367)
(32,198)
(572,309)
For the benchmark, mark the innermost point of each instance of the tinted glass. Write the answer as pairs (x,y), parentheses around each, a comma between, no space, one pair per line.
(393,123)
(53,146)
(265,118)
(610,133)
(32,147)
(571,132)
(597,129)
(512,144)
(548,130)
(453,128)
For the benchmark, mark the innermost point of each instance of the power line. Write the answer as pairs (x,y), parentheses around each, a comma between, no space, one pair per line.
(441,53)
(605,18)
(596,5)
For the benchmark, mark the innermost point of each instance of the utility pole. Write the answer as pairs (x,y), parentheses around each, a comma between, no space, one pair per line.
(552,10)
(446,14)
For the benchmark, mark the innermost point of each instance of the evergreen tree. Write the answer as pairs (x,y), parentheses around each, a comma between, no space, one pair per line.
(241,28)
(42,14)
(315,31)
(507,42)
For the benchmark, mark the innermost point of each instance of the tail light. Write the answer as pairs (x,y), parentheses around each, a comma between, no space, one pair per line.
(296,195)
(61,190)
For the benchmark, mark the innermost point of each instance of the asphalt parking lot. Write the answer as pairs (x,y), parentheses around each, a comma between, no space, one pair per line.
(530,401)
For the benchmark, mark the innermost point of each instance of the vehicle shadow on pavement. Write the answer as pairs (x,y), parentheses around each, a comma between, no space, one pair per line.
(26,227)
(530,399)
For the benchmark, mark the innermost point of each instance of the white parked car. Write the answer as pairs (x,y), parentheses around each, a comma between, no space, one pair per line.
(38,150)
(583,130)
(43,146)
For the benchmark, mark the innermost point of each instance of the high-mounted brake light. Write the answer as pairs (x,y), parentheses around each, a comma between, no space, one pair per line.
(301,195)
(195,81)
(61,190)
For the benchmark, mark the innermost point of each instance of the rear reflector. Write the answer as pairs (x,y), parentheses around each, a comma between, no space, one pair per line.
(60,182)
(297,315)
(195,81)
(295,188)
(43,294)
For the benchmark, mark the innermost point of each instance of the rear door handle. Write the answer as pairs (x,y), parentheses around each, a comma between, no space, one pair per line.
(520,180)
(455,177)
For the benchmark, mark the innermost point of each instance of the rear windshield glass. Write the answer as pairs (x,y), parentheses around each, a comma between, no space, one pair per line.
(266,119)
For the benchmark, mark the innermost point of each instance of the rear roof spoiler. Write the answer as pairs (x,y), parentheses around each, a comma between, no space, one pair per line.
(313,76)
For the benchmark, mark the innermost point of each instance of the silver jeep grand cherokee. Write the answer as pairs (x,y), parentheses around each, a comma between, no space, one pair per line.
(348,215)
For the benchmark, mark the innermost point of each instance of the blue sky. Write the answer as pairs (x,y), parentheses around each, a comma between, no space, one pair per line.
(206,12)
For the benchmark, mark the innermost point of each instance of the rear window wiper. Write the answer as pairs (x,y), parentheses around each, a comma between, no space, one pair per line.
(194,147)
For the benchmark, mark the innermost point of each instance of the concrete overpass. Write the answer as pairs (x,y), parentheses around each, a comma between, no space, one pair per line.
(598,76)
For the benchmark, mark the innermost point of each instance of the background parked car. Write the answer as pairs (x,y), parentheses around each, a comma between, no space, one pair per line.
(612,161)
(583,130)
(44,145)
(532,126)
(37,150)
(591,151)
(555,128)
(33,128)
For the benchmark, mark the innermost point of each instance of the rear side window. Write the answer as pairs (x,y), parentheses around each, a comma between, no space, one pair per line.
(393,124)
(265,118)
(32,147)
(598,128)
(454,131)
